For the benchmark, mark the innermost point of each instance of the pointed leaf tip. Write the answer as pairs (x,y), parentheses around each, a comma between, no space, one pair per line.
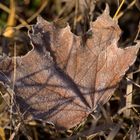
(107,10)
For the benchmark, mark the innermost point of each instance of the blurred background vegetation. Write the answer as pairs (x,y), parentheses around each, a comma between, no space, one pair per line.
(115,121)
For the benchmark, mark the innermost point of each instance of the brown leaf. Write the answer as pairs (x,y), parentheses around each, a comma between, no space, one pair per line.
(62,80)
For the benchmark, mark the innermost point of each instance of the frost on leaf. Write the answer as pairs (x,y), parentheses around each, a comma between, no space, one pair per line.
(61,80)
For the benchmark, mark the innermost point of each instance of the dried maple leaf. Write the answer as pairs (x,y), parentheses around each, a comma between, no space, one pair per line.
(62,81)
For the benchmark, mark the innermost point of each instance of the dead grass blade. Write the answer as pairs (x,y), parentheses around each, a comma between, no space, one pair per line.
(114,131)
(9,31)
(129,91)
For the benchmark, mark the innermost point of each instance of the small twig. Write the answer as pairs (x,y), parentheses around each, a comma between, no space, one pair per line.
(118,10)
(11,20)
(6,9)
(35,14)
(75,14)
(137,71)
(129,90)
(14,59)
(137,32)
(14,133)
(23,22)
(129,6)
(114,131)
(125,108)
(132,82)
